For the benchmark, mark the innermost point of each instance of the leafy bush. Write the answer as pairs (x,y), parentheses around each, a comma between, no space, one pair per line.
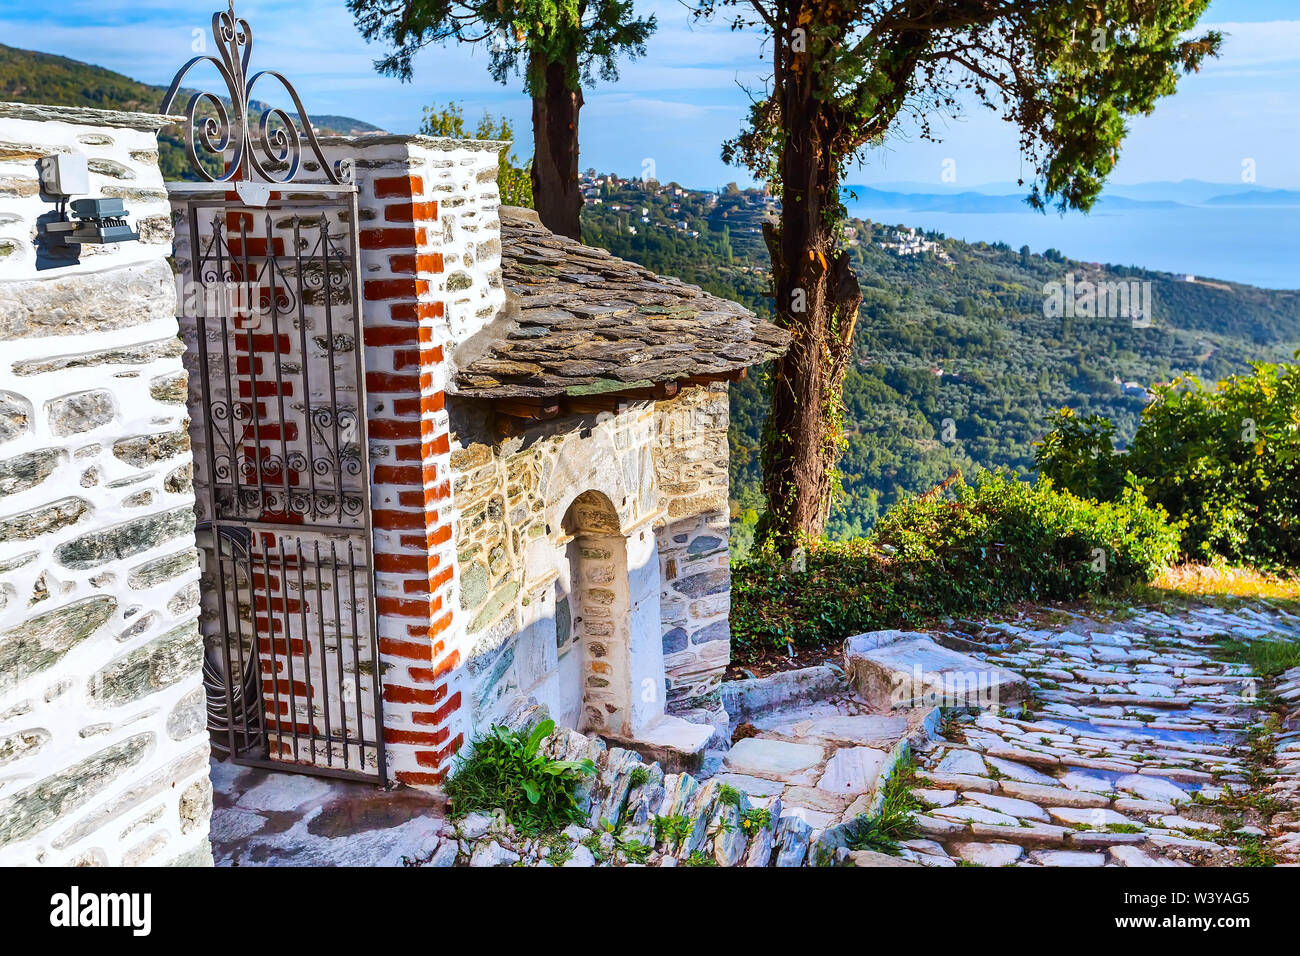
(1225,461)
(506,770)
(963,549)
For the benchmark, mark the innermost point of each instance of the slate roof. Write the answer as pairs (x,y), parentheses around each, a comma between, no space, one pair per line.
(579,321)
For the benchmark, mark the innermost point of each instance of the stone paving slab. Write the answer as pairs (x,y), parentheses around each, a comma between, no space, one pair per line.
(272,818)
(772,759)
(915,671)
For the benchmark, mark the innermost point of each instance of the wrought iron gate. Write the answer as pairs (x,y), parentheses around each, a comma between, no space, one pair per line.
(281,460)
(271,313)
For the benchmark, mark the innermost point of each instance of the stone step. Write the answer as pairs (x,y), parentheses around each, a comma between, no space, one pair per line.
(891,669)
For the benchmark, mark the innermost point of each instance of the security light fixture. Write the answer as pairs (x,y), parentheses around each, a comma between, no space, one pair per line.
(98,221)
(65,174)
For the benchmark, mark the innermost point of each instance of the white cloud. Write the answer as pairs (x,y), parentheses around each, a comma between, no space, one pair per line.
(680,101)
(1247,47)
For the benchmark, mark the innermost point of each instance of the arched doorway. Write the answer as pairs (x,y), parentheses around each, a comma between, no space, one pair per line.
(612,659)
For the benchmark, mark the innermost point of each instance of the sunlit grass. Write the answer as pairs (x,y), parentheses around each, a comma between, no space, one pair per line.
(1215,581)
(1264,658)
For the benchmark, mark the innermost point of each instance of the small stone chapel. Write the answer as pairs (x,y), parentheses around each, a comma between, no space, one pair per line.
(548,480)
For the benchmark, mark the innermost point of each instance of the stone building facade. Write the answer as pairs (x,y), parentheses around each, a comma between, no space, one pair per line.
(103,750)
(532,587)
(590,482)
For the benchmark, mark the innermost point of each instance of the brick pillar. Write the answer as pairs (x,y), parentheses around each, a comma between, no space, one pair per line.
(408,429)
(430,268)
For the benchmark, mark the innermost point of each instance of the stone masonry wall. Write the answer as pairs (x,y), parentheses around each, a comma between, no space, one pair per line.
(664,468)
(691,461)
(103,748)
(516,607)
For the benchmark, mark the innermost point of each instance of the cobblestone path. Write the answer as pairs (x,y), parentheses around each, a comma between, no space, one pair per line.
(1141,746)
(1142,743)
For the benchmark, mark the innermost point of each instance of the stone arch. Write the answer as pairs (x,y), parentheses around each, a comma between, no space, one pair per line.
(591,513)
(585,465)
(618,674)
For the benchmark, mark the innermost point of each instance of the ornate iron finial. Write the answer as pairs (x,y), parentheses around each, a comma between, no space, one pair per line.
(261,153)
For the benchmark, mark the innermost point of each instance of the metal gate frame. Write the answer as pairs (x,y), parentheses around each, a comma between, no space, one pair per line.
(247,165)
(236,509)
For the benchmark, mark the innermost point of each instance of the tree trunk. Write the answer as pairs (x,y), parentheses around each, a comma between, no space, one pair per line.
(817,298)
(556,195)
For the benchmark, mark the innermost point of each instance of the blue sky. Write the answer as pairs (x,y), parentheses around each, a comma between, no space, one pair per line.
(678,103)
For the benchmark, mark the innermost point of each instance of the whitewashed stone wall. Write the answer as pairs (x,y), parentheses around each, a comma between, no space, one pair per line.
(103,749)
(460,177)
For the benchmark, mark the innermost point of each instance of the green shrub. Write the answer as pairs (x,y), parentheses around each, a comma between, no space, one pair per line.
(1225,462)
(506,770)
(965,549)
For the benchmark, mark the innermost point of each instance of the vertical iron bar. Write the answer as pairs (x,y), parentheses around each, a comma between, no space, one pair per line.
(219,245)
(329,355)
(324,665)
(356,658)
(338,648)
(288,651)
(254,415)
(254,651)
(363,438)
(304,361)
(306,652)
(279,370)
(270,638)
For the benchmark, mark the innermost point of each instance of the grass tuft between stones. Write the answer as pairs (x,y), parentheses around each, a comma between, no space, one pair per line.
(894,823)
(506,770)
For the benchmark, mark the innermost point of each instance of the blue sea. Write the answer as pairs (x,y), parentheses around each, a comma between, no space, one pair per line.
(1257,245)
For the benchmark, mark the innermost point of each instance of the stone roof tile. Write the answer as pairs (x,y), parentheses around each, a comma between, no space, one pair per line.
(580,321)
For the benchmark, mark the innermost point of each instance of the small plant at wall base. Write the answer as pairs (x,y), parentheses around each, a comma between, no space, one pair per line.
(506,770)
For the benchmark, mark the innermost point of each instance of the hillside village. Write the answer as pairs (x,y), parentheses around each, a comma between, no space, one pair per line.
(629,205)
(637,205)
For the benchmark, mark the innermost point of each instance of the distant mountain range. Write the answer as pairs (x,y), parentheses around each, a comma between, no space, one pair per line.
(1267,197)
(27,76)
(1007,198)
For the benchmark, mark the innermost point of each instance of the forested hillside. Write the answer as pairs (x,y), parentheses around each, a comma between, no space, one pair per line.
(30,77)
(957,364)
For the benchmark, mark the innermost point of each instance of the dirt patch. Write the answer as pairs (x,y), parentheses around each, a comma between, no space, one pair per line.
(375,812)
